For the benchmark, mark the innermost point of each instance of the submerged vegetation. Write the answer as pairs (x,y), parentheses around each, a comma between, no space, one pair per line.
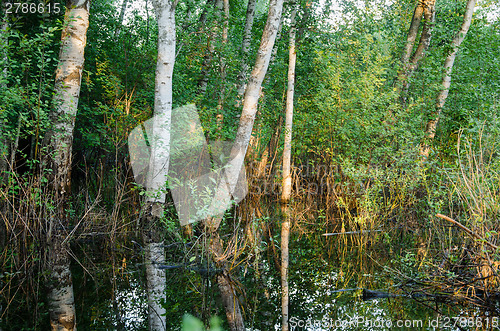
(392,189)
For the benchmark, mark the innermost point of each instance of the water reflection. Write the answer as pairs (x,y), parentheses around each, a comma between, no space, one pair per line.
(326,283)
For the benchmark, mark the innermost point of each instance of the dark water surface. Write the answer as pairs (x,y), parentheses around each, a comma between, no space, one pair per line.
(327,275)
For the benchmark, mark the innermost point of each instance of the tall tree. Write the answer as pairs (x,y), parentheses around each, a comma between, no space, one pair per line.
(430,130)
(245,46)
(223,74)
(4,141)
(287,177)
(120,19)
(410,60)
(159,161)
(207,59)
(57,160)
(413,32)
(238,151)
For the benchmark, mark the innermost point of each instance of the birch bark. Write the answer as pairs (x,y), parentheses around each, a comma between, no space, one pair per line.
(238,151)
(159,162)
(425,8)
(413,31)
(57,157)
(430,130)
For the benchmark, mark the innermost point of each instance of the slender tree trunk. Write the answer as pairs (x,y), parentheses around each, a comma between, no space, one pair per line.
(207,59)
(245,46)
(430,130)
(120,20)
(4,141)
(413,32)
(159,162)
(232,172)
(410,43)
(220,105)
(410,62)
(426,35)
(58,145)
(247,117)
(287,149)
(287,178)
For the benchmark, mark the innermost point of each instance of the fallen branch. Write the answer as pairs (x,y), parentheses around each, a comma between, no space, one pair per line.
(469,231)
(349,232)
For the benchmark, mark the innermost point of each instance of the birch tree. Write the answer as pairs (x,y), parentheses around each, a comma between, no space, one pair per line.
(207,59)
(287,178)
(220,103)
(4,142)
(120,19)
(238,151)
(412,32)
(410,59)
(159,162)
(430,130)
(57,160)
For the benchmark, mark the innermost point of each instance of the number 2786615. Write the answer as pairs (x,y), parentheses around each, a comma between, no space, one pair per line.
(32,8)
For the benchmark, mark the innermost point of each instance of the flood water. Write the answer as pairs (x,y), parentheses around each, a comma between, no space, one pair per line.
(327,278)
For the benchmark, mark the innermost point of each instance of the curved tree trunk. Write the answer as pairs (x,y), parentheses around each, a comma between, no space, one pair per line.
(58,146)
(430,130)
(287,177)
(238,151)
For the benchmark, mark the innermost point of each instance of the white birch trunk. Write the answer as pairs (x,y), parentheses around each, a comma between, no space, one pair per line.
(61,295)
(247,117)
(160,140)
(159,161)
(287,178)
(285,238)
(59,141)
(67,92)
(233,170)
(412,63)
(431,127)
(425,37)
(287,149)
